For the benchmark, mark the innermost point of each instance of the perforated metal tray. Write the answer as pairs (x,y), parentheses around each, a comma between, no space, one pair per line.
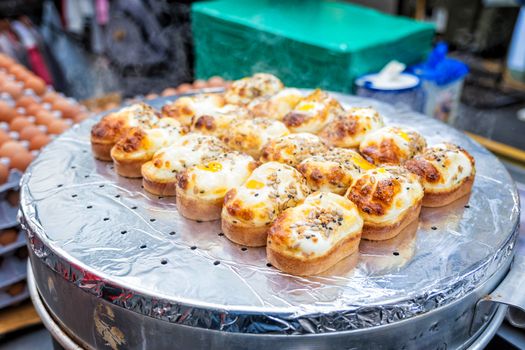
(115,241)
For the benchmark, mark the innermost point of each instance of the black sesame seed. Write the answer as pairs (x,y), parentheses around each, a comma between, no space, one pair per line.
(123,232)
(74,195)
(256,195)
(172,233)
(100,186)
(216,262)
(467,206)
(106,219)
(117,196)
(220,234)
(268,264)
(434,228)
(60,185)
(152,220)
(193,247)
(395,253)
(89,206)
(134,207)
(164,261)
(244,249)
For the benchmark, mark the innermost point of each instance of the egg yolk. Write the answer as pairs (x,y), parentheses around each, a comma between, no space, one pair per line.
(211,166)
(305,107)
(361,162)
(254,185)
(404,135)
(381,170)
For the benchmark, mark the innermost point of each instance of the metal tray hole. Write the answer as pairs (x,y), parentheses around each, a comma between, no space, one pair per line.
(434,228)
(160,197)
(268,264)
(100,186)
(152,220)
(59,185)
(123,232)
(117,196)
(216,262)
(244,249)
(89,207)
(172,233)
(74,195)
(395,253)
(134,207)
(106,219)
(220,234)
(466,206)
(143,246)
(164,261)
(193,247)
(86,176)
(73,167)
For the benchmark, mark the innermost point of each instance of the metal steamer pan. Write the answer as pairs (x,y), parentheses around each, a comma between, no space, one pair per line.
(119,268)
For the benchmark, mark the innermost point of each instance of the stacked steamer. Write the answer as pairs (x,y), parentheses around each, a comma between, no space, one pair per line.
(31,115)
(302,175)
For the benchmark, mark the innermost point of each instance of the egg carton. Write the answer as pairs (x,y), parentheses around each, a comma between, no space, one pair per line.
(11,296)
(20,242)
(8,214)
(13,267)
(12,183)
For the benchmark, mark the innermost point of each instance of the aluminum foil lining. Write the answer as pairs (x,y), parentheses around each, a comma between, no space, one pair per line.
(112,239)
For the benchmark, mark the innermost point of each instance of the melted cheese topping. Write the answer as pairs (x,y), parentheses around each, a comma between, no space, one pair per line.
(250,135)
(292,149)
(334,170)
(187,151)
(270,189)
(384,195)
(313,228)
(187,108)
(213,178)
(276,106)
(313,113)
(391,145)
(452,165)
(116,124)
(218,121)
(142,144)
(260,85)
(350,127)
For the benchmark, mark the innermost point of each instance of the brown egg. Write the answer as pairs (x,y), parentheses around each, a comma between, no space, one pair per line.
(6,61)
(29,132)
(70,110)
(4,137)
(50,97)
(8,236)
(4,175)
(184,88)
(200,84)
(216,81)
(33,109)
(21,160)
(80,117)
(36,84)
(38,142)
(12,88)
(7,113)
(20,72)
(57,127)
(44,117)
(11,148)
(18,123)
(26,101)
(169,92)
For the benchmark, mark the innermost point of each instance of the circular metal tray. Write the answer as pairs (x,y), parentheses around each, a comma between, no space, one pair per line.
(114,240)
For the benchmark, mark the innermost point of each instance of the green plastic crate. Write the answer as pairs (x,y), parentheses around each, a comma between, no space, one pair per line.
(308,44)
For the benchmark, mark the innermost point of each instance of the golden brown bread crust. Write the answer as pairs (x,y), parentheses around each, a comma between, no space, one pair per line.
(307,267)
(336,132)
(165,189)
(129,167)
(441,199)
(101,150)
(198,208)
(251,236)
(381,232)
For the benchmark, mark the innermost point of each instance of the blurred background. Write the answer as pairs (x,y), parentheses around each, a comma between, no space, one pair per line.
(459,61)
